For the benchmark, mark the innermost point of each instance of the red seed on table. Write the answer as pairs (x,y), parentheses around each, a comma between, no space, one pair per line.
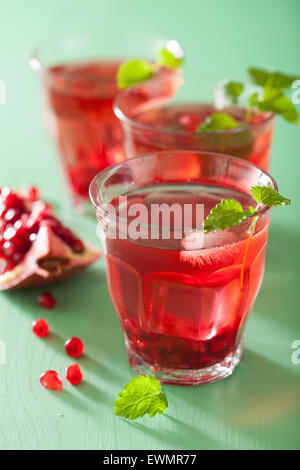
(74,347)
(47,300)
(74,374)
(50,379)
(40,327)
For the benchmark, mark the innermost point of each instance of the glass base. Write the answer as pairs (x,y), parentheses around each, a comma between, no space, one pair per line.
(166,375)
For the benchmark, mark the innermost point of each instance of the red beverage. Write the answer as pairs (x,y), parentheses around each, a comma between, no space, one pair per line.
(79,87)
(150,126)
(185,309)
(183,303)
(80,118)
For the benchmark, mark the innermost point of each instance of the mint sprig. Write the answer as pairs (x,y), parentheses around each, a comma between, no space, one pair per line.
(269,97)
(274,101)
(134,71)
(272,98)
(217,122)
(230,212)
(141,396)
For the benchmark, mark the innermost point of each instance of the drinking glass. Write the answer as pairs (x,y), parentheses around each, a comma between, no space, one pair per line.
(79,85)
(183,296)
(151,126)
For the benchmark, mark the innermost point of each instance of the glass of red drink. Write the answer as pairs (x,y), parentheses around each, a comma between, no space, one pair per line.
(151,126)
(78,91)
(183,299)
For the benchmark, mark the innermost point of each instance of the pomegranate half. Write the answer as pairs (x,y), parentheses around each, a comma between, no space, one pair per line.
(36,249)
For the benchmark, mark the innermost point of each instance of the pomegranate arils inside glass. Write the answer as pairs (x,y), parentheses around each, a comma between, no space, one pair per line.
(74,374)
(74,347)
(40,327)
(47,300)
(50,379)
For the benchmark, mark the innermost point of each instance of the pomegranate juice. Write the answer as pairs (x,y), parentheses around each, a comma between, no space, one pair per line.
(80,119)
(174,127)
(183,307)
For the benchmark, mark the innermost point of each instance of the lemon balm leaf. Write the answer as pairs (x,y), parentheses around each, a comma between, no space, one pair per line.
(233,91)
(253,100)
(227,214)
(166,58)
(141,396)
(275,101)
(268,196)
(171,55)
(275,79)
(217,122)
(230,212)
(133,72)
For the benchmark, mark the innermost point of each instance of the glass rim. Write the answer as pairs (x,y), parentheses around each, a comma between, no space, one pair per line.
(38,65)
(167,131)
(98,180)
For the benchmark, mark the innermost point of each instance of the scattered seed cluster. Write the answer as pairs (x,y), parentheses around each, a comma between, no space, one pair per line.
(73,346)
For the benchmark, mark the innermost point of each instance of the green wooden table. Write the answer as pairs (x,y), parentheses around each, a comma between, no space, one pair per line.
(258,407)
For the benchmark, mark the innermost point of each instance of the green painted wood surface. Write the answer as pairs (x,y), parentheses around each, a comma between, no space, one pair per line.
(258,407)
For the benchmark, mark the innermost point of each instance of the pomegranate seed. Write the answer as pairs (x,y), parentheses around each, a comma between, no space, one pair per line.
(74,347)
(40,327)
(32,237)
(22,214)
(32,193)
(12,215)
(74,374)
(5,191)
(7,249)
(50,379)
(9,233)
(13,201)
(47,300)
(68,237)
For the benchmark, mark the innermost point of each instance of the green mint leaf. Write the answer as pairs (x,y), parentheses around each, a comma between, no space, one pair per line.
(233,90)
(268,196)
(217,122)
(226,214)
(141,396)
(279,104)
(133,72)
(171,55)
(277,80)
(253,100)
